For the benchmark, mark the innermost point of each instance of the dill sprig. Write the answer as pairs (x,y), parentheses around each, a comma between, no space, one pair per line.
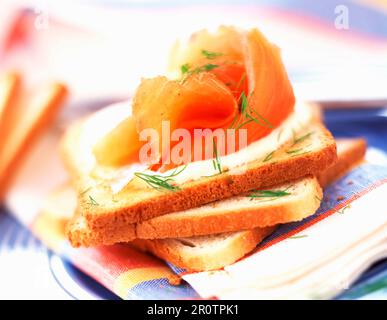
(187,71)
(294,151)
(300,153)
(216,162)
(92,201)
(160,182)
(299,237)
(302,138)
(185,68)
(211,55)
(85,191)
(241,81)
(206,67)
(270,193)
(238,84)
(269,156)
(248,115)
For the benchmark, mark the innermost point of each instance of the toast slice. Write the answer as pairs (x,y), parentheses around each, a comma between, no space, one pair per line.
(101,208)
(123,211)
(10,89)
(296,201)
(33,114)
(203,252)
(195,253)
(292,201)
(233,214)
(238,213)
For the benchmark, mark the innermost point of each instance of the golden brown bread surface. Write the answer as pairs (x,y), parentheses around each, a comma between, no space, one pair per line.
(101,209)
(205,252)
(190,254)
(350,152)
(32,114)
(9,92)
(295,201)
(194,253)
(239,213)
(9,95)
(233,214)
(80,235)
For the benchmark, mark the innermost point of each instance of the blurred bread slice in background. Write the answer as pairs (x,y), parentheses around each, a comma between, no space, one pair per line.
(9,91)
(25,115)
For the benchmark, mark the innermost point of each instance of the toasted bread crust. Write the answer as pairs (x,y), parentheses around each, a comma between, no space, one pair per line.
(10,89)
(236,248)
(208,220)
(20,141)
(351,152)
(240,245)
(132,207)
(79,235)
(213,222)
(256,214)
(349,156)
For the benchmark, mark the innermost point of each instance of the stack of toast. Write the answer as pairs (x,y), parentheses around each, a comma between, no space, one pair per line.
(214,251)
(214,214)
(216,233)
(199,215)
(193,215)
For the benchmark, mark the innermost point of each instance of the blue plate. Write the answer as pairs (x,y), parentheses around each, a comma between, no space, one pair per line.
(28,270)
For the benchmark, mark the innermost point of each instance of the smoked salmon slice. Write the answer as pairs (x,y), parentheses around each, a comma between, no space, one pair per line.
(196,102)
(228,79)
(121,146)
(250,65)
(270,93)
(223,49)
